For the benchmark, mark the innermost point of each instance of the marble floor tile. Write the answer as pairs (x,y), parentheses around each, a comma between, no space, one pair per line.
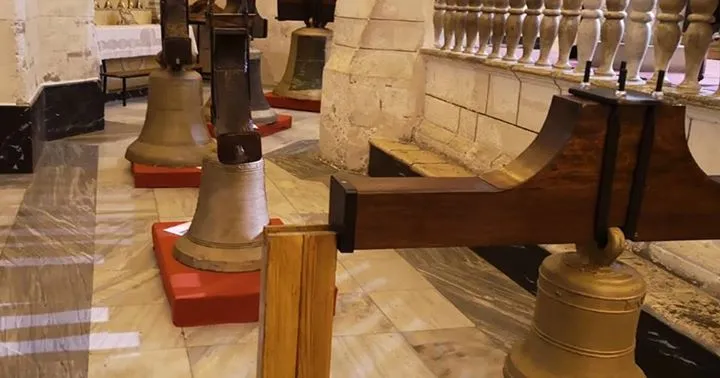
(151,323)
(127,287)
(224,361)
(119,202)
(125,244)
(458,353)
(417,310)
(305,196)
(279,206)
(385,275)
(61,364)
(221,334)
(176,203)
(171,363)
(369,254)
(385,355)
(344,282)
(357,314)
(114,171)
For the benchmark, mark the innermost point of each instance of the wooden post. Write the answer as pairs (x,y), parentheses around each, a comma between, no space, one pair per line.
(297,302)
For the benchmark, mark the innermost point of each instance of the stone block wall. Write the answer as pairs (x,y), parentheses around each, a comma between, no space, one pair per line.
(483,115)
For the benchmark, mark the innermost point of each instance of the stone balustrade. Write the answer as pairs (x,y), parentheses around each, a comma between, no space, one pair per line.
(496,31)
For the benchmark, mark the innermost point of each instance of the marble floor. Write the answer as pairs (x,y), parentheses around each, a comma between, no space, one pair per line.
(80,293)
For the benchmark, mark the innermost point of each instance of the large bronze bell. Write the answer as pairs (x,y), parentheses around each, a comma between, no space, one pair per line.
(226,231)
(262,113)
(174,133)
(586,316)
(303,75)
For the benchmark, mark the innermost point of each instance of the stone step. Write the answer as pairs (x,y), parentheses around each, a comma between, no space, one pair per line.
(682,305)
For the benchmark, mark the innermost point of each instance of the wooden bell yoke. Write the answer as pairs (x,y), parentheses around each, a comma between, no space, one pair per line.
(601,160)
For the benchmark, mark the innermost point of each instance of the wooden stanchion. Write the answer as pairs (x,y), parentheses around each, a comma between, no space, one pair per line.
(297,302)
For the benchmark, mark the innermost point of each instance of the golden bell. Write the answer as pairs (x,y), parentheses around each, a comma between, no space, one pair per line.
(174,133)
(586,317)
(226,231)
(303,75)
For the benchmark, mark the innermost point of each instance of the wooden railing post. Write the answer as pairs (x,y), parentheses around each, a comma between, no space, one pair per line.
(297,302)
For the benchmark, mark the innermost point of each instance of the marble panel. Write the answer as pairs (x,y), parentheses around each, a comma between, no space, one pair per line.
(417,310)
(385,275)
(378,356)
(161,363)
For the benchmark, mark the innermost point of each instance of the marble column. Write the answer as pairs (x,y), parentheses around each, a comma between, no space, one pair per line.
(461,25)
(588,33)
(513,28)
(666,33)
(637,37)
(473,24)
(485,26)
(439,23)
(450,20)
(612,32)
(549,27)
(502,7)
(530,29)
(568,32)
(373,83)
(698,37)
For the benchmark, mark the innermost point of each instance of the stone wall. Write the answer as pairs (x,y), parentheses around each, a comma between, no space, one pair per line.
(373,81)
(483,116)
(45,42)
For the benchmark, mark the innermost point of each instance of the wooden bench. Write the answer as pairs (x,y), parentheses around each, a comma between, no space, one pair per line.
(125,75)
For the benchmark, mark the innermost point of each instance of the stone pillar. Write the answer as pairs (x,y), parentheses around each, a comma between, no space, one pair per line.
(50,66)
(373,81)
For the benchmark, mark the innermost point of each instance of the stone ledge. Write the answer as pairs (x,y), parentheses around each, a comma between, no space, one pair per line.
(682,306)
(704,99)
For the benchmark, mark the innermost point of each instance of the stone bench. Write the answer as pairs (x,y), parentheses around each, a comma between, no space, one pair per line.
(672,300)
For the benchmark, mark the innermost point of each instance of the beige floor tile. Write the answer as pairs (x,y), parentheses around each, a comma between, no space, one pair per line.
(418,310)
(221,334)
(376,356)
(357,314)
(172,363)
(344,281)
(224,361)
(125,203)
(114,171)
(385,274)
(369,254)
(152,323)
(127,287)
(125,244)
(176,203)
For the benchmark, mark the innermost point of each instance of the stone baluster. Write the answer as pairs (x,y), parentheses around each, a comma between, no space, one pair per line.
(612,33)
(637,37)
(461,26)
(450,19)
(666,33)
(588,33)
(513,28)
(549,27)
(439,23)
(530,29)
(473,23)
(485,26)
(568,32)
(698,37)
(502,7)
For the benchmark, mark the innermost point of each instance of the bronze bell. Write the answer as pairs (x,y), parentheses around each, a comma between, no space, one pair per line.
(174,134)
(262,113)
(586,317)
(303,75)
(226,231)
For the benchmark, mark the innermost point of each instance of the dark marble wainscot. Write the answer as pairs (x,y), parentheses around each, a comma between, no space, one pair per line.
(58,111)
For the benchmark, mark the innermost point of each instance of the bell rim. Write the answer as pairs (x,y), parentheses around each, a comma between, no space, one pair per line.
(214,259)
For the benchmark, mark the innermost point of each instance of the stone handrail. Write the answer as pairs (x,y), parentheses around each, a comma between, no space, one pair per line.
(480,27)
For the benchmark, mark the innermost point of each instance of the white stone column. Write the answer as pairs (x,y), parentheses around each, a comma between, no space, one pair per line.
(697,41)
(502,7)
(485,26)
(549,27)
(568,32)
(473,24)
(513,28)
(666,33)
(451,8)
(588,33)
(637,37)
(461,25)
(373,84)
(612,32)
(439,23)
(530,29)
